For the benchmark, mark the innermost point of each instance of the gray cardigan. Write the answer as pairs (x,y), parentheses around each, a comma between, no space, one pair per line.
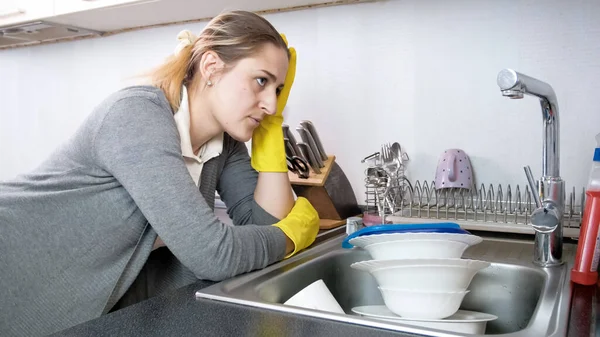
(76,231)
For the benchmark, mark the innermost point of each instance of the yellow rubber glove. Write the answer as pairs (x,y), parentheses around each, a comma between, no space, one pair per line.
(268,149)
(301,225)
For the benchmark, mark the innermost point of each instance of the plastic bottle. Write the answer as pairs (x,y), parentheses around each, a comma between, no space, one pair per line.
(585,270)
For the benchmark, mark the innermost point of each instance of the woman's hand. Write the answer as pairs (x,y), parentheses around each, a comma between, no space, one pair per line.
(301,226)
(273,191)
(268,149)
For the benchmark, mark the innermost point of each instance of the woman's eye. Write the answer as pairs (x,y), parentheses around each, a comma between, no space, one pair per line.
(261,81)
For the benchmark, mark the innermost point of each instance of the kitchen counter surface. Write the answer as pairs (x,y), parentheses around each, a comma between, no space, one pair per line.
(584,318)
(180,314)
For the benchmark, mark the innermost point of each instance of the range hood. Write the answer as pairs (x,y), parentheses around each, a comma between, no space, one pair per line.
(39,31)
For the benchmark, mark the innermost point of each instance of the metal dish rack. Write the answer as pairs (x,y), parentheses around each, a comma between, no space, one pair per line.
(500,209)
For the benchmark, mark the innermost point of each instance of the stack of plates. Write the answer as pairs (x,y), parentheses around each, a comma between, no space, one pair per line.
(462,321)
(421,274)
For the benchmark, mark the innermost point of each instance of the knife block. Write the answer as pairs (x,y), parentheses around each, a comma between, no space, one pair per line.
(329,192)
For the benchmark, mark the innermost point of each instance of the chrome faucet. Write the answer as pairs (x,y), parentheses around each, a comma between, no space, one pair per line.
(549,197)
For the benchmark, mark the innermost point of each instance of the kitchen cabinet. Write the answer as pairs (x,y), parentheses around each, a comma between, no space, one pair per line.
(116,15)
(29,22)
(18,11)
(73,6)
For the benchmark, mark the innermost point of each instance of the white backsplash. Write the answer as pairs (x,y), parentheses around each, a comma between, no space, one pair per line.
(422,73)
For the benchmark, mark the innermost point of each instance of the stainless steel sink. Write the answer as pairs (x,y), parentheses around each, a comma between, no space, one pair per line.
(528,300)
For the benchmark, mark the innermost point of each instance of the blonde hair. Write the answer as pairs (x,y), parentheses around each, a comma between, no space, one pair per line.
(232,36)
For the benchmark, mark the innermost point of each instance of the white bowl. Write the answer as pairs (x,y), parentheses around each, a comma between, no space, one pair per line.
(410,303)
(423,249)
(364,240)
(423,274)
(463,321)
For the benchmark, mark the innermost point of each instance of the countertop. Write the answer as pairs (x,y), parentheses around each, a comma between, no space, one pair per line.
(180,314)
(584,314)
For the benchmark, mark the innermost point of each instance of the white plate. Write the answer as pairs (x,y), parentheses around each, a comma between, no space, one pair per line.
(463,321)
(365,240)
(461,316)
(373,265)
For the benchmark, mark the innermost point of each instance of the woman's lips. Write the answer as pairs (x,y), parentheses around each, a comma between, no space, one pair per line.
(255,120)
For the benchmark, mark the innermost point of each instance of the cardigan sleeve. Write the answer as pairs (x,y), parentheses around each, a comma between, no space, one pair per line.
(138,144)
(236,188)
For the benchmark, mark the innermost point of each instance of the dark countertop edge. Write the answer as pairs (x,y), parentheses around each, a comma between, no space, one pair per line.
(584,315)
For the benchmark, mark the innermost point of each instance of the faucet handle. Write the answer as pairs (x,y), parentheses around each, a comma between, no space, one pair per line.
(353,224)
(534,191)
(545,219)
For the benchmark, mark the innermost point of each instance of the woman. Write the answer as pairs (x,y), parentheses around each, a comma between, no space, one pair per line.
(141,172)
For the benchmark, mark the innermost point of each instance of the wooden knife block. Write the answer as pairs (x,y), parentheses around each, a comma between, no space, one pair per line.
(329,192)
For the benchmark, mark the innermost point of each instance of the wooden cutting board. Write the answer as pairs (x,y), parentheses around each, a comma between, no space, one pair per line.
(329,223)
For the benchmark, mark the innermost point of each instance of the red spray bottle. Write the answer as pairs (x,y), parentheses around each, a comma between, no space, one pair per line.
(585,270)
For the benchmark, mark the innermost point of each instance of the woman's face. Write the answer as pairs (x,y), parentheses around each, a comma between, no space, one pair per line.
(244,94)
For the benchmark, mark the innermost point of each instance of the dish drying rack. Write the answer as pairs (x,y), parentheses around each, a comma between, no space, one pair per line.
(385,180)
(502,208)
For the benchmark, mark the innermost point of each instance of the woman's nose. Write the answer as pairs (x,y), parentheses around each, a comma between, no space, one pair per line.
(269,104)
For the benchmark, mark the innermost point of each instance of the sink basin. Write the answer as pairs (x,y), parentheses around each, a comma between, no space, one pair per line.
(528,300)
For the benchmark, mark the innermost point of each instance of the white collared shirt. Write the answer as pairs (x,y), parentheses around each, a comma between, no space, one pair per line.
(209,150)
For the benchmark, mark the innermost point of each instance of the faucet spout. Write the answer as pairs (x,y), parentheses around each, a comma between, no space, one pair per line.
(547,217)
(516,85)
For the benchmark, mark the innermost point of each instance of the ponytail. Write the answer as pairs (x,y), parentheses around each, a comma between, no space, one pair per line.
(172,75)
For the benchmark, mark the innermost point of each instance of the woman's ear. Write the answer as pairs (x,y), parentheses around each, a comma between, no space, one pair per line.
(210,65)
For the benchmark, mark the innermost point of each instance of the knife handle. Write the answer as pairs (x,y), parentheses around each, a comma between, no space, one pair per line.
(290,136)
(289,150)
(307,139)
(312,160)
(310,127)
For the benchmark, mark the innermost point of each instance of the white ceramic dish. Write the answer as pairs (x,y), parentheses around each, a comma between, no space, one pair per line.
(422,304)
(422,249)
(463,321)
(363,241)
(423,274)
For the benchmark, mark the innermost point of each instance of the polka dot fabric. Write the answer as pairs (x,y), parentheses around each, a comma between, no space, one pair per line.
(454,170)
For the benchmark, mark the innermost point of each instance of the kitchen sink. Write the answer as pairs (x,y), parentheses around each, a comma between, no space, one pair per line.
(528,300)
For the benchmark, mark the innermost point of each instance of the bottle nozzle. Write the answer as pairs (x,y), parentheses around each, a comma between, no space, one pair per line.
(597,149)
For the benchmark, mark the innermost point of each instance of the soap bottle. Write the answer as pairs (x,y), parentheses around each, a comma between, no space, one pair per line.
(585,270)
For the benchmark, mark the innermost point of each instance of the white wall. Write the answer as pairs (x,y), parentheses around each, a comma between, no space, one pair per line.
(419,72)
